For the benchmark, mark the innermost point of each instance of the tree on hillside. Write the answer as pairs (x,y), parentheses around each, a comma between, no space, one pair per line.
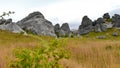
(6,14)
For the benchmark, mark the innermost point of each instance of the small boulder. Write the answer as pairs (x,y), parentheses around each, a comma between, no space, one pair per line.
(101,37)
(115,34)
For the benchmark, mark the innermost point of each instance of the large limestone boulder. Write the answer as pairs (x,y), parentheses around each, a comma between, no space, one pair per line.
(58,31)
(63,31)
(37,24)
(10,26)
(86,26)
(65,27)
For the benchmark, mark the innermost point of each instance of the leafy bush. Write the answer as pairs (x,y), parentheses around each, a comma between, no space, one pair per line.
(46,56)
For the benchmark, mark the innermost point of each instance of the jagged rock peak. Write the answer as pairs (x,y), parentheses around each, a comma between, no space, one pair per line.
(37,24)
(35,14)
(106,16)
(65,27)
(116,20)
(86,21)
(86,26)
(57,27)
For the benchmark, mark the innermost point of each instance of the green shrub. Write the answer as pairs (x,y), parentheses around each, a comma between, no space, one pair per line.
(46,56)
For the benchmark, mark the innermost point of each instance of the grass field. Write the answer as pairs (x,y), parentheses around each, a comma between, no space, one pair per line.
(85,52)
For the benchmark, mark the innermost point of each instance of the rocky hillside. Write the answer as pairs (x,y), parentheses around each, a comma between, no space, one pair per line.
(36,23)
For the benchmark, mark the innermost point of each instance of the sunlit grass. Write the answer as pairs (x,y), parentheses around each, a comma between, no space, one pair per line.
(86,51)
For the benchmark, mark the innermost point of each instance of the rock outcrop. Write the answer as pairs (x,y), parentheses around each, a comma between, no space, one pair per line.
(99,25)
(37,24)
(62,31)
(65,27)
(58,31)
(86,26)
(10,26)
(116,20)
(106,16)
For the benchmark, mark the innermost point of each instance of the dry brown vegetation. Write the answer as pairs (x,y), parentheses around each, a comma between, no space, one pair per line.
(86,52)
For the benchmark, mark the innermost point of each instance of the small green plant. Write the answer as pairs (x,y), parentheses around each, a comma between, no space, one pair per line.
(108,20)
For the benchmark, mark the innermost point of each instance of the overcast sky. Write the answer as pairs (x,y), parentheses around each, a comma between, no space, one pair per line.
(59,11)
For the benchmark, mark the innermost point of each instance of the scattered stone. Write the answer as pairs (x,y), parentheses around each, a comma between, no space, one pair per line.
(101,37)
(115,34)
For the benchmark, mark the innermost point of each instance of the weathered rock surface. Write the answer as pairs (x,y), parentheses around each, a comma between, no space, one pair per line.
(58,31)
(116,20)
(86,26)
(108,25)
(65,27)
(100,26)
(10,26)
(62,31)
(37,24)
(106,16)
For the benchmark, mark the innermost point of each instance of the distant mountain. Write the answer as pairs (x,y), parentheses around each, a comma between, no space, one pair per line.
(115,11)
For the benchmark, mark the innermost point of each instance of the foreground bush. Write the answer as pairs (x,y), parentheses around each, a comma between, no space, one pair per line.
(46,56)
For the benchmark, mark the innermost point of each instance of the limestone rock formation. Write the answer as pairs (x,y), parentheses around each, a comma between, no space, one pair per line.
(37,24)
(86,26)
(116,20)
(10,26)
(58,31)
(106,16)
(99,26)
(65,27)
(62,31)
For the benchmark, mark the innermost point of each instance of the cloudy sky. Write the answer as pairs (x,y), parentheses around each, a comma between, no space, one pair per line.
(59,11)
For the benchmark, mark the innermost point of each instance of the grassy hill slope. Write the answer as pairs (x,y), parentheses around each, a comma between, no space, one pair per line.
(85,52)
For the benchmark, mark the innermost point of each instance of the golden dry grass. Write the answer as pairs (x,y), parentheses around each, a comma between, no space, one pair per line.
(95,53)
(9,41)
(86,52)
